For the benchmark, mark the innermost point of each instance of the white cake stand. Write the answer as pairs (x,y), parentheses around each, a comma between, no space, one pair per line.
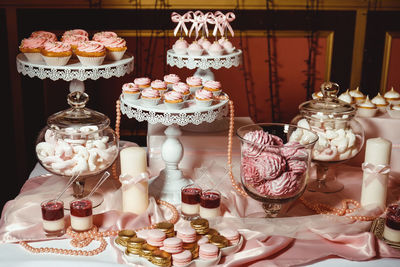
(170,181)
(205,63)
(74,72)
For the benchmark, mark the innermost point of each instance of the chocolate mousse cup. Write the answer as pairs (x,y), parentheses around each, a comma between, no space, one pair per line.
(81,215)
(391,230)
(53,217)
(210,201)
(190,206)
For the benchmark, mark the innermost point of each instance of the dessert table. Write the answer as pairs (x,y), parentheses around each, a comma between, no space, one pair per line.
(299,238)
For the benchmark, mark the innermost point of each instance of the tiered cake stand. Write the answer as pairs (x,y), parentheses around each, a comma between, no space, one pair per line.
(75,73)
(205,63)
(170,181)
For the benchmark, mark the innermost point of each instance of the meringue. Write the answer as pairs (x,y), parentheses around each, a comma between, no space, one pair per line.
(357,95)
(346,97)
(366,108)
(380,102)
(392,96)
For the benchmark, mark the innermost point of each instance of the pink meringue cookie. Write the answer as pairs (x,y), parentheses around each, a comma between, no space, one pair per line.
(195,49)
(216,49)
(180,47)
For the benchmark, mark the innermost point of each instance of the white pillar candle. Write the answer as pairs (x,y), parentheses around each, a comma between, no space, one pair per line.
(135,196)
(374,186)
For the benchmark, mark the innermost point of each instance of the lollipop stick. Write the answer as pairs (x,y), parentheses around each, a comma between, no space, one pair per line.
(102,179)
(70,182)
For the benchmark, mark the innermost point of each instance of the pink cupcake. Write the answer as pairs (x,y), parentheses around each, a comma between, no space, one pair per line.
(182,259)
(203,98)
(44,34)
(159,85)
(180,47)
(182,88)
(130,91)
(213,86)
(142,82)
(98,36)
(56,53)
(115,47)
(195,83)
(74,40)
(150,97)
(91,53)
(170,79)
(173,100)
(195,49)
(75,32)
(32,48)
(216,49)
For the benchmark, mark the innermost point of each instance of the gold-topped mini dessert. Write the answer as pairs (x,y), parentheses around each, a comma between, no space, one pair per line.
(346,97)
(366,108)
(161,258)
(134,245)
(167,228)
(124,236)
(380,102)
(392,96)
(219,240)
(200,225)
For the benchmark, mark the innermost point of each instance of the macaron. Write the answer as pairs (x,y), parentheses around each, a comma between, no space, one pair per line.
(156,237)
(187,234)
(232,235)
(182,259)
(143,233)
(173,245)
(202,240)
(208,251)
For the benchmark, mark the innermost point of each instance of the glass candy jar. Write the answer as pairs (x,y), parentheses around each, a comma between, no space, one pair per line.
(341,137)
(77,141)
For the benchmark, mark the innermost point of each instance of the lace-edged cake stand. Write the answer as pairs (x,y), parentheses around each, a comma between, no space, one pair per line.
(170,180)
(74,72)
(205,63)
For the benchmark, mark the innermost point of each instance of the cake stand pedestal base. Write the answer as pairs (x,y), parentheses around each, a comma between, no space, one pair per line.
(204,74)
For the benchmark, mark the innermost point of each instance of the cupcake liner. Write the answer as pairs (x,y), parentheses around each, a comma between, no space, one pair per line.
(34,57)
(131,96)
(56,61)
(203,103)
(178,105)
(91,61)
(115,55)
(150,101)
(161,91)
(216,93)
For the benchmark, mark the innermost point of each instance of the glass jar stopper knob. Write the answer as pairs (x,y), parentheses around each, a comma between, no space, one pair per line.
(77,99)
(329,89)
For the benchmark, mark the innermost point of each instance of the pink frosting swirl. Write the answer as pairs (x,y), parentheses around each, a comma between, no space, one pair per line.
(173,96)
(212,84)
(130,87)
(193,80)
(74,39)
(91,46)
(203,94)
(158,84)
(98,36)
(113,42)
(33,42)
(142,81)
(75,32)
(181,87)
(150,93)
(171,78)
(44,34)
(56,47)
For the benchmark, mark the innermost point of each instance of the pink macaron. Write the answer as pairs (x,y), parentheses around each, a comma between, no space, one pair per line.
(182,259)
(208,252)
(143,234)
(173,245)
(156,237)
(232,235)
(187,234)
(202,240)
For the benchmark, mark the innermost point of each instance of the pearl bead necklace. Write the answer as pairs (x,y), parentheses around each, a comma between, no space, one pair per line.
(83,239)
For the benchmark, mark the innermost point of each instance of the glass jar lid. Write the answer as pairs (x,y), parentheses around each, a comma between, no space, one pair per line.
(77,115)
(328,104)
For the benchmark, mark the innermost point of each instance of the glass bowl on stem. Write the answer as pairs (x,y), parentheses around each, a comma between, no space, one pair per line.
(274,170)
(77,141)
(341,137)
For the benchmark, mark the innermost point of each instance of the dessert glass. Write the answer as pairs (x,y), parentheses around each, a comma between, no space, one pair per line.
(275,174)
(77,141)
(210,201)
(341,136)
(81,211)
(53,217)
(190,206)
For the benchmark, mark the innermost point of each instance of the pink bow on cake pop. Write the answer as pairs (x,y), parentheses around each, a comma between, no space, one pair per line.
(198,22)
(214,19)
(175,17)
(226,19)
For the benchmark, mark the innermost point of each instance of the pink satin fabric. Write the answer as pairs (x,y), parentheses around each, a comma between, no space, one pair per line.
(297,237)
